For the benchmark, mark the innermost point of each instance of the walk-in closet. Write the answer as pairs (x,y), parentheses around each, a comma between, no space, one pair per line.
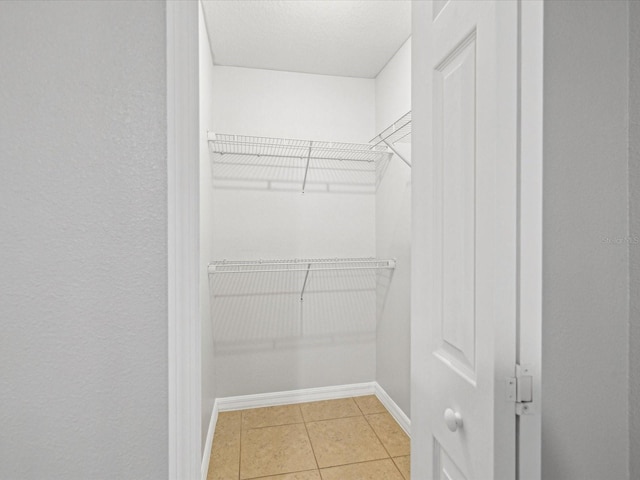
(305,187)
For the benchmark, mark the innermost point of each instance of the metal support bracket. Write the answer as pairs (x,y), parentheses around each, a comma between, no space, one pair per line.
(520,390)
(304,285)
(395,151)
(306,170)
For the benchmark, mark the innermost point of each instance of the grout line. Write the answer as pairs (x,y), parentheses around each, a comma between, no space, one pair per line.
(240,447)
(281,474)
(311,443)
(397,467)
(357,405)
(362,462)
(357,463)
(383,445)
(334,418)
(378,437)
(371,413)
(271,426)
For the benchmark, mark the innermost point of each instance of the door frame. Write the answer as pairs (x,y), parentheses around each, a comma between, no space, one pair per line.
(529,350)
(184,382)
(183,229)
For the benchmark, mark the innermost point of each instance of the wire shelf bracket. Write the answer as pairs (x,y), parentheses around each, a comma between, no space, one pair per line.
(299,265)
(396,132)
(304,285)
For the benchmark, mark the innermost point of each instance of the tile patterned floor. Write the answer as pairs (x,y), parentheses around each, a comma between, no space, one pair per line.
(346,439)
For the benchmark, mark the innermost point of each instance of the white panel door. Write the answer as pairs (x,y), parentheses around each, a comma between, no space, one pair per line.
(465,176)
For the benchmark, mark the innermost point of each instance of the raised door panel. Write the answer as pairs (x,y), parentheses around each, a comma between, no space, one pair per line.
(455,153)
(444,466)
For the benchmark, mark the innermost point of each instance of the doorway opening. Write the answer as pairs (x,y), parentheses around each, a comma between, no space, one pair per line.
(243,165)
(305,226)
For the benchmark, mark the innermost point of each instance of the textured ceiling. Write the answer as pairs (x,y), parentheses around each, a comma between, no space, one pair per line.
(353,38)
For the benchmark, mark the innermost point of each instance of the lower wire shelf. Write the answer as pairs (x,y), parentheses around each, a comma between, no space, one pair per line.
(266,302)
(306,265)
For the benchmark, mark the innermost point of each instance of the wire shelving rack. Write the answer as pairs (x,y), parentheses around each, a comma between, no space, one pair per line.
(301,156)
(306,266)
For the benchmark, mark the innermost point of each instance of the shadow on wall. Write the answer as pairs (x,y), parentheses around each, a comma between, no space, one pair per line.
(272,310)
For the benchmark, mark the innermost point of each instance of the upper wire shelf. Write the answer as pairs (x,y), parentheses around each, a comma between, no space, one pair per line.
(306,161)
(299,265)
(398,131)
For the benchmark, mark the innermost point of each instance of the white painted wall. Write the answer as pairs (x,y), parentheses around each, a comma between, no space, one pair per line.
(83,241)
(257,336)
(585,291)
(393,236)
(206,230)
(634,234)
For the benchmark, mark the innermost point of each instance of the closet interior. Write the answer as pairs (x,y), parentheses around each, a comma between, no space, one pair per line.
(305,221)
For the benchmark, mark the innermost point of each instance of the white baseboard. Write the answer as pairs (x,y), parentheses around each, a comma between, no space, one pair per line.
(395,411)
(295,396)
(206,457)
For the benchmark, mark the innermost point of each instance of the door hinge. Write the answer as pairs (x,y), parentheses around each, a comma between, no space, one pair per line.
(520,390)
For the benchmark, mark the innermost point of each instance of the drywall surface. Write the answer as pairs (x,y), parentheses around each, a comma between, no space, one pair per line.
(393,236)
(421,16)
(293,105)
(267,339)
(206,231)
(83,242)
(634,235)
(585,255)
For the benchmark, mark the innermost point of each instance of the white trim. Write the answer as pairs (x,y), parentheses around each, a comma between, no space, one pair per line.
(243,402)
(295,396)
(530,216)
(206,457)
(184,459)
(395,411)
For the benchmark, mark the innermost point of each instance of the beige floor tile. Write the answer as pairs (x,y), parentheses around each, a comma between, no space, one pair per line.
(390,434)
(369,404)
(377,470)
(329,409)
(228,421)
(275,450)
(225,452)
(404,465)
(271,416)
(309,475)
(344,440)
